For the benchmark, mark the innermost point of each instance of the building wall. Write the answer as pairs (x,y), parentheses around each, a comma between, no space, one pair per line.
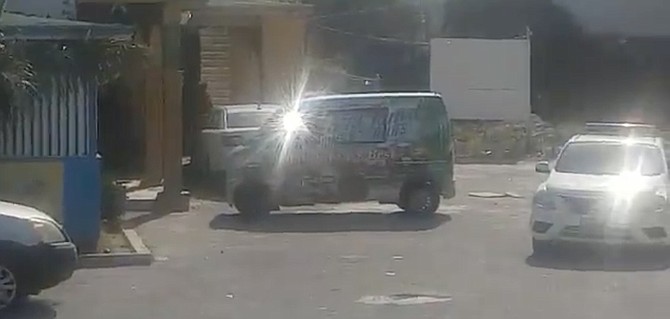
(254,63)
(61,9)
(215,63)
(621,17)
(482,79)
(246,70)
(283,55)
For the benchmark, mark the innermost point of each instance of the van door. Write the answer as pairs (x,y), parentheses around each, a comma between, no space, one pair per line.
(436,140)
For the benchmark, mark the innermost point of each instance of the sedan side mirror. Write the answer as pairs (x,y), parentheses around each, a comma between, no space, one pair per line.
(543,167)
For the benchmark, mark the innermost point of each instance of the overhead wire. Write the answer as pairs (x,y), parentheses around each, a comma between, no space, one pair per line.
(366,36)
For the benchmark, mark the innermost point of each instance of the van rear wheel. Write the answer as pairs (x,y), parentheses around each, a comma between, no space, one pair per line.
(252,200)
(424,200)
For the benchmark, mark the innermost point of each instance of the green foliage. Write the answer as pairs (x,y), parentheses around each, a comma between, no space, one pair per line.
(16,79)
(102,59)
(27,65)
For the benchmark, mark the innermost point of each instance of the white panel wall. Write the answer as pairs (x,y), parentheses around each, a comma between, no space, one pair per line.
(482,79)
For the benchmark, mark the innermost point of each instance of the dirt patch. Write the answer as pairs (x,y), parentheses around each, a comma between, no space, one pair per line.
(112,240)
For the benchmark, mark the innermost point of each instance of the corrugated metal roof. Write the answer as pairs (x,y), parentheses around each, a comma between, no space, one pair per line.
(23,27)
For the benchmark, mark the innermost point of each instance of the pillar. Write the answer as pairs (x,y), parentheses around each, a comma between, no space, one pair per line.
(153,165)
(172,116)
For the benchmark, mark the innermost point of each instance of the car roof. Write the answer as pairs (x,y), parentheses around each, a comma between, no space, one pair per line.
(372,95)
(247,107)
(597,138)
(21,211)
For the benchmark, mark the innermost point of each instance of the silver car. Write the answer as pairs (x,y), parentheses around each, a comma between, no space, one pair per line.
(226,127)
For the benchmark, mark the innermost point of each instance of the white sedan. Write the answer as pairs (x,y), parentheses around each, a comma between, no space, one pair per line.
(227,127)
(603,189)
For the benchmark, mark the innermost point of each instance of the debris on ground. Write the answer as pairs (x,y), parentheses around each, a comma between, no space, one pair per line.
(487,195)
(513,195)
(494,195)
(403,299)
(112,240)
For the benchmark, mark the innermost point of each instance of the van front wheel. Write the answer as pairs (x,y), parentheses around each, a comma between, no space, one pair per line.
(424,200)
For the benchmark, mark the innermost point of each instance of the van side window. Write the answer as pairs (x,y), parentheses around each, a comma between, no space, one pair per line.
(432,116)
(402,122)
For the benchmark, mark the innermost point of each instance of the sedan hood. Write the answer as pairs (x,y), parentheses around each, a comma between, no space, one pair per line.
(22,212)
(601,183)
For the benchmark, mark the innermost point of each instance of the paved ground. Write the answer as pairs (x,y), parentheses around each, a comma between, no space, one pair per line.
(319,262)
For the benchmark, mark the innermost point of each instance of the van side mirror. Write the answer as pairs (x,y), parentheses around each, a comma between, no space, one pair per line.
(542,167)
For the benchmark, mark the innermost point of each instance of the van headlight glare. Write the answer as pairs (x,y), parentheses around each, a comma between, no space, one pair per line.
(292,122)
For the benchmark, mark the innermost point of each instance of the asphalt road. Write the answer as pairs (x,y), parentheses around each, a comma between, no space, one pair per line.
(349,261)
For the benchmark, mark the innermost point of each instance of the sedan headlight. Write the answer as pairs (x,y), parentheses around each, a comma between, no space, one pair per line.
(48,231)
(544,200)
(655,203)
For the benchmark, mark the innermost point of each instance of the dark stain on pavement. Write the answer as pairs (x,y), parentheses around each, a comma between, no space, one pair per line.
(330,222)
(30,309)
(599,259)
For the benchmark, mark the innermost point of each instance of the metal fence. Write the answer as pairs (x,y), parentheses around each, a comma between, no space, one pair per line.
(60,122)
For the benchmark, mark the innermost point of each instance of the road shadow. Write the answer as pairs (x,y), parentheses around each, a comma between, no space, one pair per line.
(330,222)
(600,259)
(30,309)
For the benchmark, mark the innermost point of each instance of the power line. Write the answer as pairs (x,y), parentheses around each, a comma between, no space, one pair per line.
(362,11)
(373,38)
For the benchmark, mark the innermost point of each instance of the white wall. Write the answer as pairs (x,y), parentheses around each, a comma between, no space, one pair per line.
(621,17)
(482,79)
(59,9)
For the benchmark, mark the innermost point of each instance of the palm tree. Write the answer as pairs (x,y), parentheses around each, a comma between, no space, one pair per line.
(16,80)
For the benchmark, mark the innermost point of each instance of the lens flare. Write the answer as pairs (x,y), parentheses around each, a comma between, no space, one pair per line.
(625,190)
(292,122)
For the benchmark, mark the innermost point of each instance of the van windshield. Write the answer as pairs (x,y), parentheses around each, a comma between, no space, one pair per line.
(610,159)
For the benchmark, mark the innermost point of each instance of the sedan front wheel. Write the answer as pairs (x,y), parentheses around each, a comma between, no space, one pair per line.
(8,287)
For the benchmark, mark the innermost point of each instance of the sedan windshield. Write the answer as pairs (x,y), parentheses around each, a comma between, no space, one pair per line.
(610,159)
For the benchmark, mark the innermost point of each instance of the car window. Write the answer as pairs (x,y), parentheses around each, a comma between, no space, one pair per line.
(610,159)
(247,119)
(213,120)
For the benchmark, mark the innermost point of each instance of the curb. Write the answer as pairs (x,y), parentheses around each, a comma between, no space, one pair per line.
(141,255)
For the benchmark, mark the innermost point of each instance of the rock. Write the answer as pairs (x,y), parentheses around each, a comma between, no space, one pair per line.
(403,299)
(487,195)
(513,195)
